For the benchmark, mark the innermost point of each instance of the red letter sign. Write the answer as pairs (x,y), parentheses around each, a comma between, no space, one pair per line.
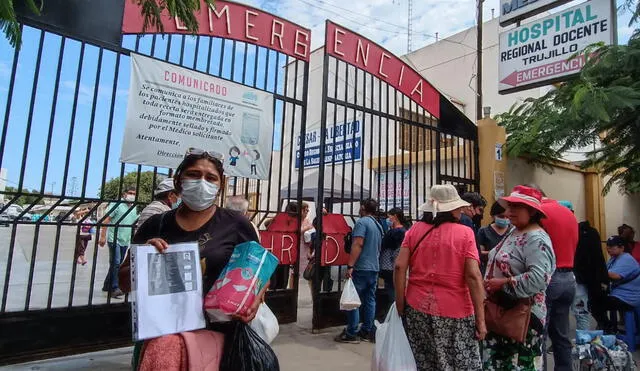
(232,21)
(365,54)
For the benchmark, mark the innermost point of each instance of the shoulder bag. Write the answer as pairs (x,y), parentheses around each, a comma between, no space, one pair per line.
(506,316)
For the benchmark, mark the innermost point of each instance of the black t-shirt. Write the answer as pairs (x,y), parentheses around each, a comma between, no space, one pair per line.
(489,238)
(216,238)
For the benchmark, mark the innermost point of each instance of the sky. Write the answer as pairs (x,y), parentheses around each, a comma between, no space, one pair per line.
(383,21)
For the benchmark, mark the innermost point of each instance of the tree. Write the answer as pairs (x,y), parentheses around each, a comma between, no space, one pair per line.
(150,9)
(145,192)
(600,107)
(27,198)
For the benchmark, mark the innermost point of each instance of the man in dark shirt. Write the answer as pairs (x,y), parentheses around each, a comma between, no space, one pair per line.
(591,274)
(472,215)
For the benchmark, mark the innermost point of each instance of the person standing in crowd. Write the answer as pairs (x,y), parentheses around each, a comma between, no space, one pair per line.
(118,237)
(165,199)
(521,266)
(363,268)
(241,205)
(472,215)
(490,236)
(562,227)
(325,271)
(591,274)
(442,301)
(624,274)
(198,179)
(390,248)
(632,247)
(83,237)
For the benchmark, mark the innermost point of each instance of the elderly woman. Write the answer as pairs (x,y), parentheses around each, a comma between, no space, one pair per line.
(442,301)
(520,267)
(624,275)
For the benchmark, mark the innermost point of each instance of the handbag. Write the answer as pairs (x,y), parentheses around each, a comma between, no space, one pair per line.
(309,270)
(506,316)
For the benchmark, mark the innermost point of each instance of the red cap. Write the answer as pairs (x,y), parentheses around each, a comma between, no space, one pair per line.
(526,196)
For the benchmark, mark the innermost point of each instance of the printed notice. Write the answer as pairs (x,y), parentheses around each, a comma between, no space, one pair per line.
(172,109)
(168,290)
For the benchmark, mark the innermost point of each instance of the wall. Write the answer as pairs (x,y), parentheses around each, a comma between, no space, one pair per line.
(621,208)
(562,184)
(450,65)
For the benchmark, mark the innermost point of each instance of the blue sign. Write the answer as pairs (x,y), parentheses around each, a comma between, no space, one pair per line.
(343,143)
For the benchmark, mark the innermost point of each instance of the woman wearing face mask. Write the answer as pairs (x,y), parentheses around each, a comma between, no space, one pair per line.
(390,248)
(490,236)
(520,267)
(198,180)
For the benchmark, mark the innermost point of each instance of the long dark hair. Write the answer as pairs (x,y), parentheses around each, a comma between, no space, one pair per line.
(441,218)
(398,213)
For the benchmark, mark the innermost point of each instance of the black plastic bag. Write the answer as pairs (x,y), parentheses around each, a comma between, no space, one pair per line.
(244,350)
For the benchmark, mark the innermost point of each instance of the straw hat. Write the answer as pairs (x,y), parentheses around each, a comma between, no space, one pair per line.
(526,196)
(443,198)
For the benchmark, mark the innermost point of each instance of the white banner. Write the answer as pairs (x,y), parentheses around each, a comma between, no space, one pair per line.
(538,53)
(172,109)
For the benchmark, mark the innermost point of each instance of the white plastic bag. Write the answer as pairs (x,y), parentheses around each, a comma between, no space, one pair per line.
(265,323)
(392,351)
(349,300)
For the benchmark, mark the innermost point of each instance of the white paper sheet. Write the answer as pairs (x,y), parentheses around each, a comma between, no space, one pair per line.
(167,290)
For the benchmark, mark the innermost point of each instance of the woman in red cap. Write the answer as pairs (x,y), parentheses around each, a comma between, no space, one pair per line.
(520,267)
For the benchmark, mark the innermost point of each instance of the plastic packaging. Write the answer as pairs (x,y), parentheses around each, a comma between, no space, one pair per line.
(392,351)
(244,350)
(349,300)
(265,324)
(248,271)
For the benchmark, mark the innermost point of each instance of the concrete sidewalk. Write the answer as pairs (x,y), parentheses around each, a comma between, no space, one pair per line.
(297,349)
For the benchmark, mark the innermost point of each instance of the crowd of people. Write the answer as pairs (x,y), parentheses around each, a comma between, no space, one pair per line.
(533,251)
(439,271)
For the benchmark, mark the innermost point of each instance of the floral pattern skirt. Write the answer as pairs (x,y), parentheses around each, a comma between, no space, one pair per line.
(442,343)
(503,354)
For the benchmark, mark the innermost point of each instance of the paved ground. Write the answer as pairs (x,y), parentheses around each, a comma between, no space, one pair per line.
(43,256)
(297,348)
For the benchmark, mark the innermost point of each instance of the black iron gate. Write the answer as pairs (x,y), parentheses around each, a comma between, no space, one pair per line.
(63,102)
(387,135)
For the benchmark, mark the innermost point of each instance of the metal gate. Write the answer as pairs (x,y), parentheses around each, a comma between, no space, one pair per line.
(63,101)
(387,134)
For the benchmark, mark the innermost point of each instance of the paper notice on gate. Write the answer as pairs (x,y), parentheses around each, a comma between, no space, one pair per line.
(167,297)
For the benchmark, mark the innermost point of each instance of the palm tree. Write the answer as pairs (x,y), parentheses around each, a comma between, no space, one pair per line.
(151,9)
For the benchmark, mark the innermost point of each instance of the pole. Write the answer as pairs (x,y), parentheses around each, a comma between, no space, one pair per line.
(479,64)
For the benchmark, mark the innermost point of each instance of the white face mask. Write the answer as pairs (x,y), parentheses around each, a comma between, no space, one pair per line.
(129,198)
(198,194)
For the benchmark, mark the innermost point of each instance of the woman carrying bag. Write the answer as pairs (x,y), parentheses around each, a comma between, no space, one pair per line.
(443,301)
(518,273)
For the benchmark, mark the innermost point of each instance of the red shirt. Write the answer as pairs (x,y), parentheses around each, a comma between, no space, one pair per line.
(436,283)
(562,227)
(635,251)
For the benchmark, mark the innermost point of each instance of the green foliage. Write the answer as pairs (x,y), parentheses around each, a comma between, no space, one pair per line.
(145,192)
(600,107)
(9,23)
(28,197)
(150,9)
(183,9)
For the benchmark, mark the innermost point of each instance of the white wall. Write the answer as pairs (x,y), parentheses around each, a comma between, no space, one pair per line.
(621,209)
(450,66)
